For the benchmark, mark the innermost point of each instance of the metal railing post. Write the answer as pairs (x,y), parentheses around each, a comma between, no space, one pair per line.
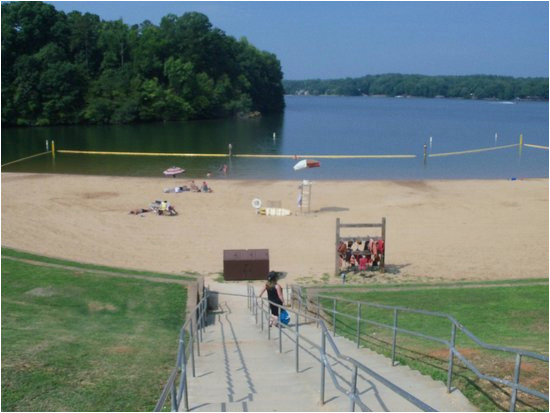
(353,390)
(174,397)
(451,357)
(394,336)
(318,310)
(323,358)
(262,314)
(297,343)
(195,326)
(199,322)
(269,322)
(180,343)
(280,336)
(192,350)
(204,311)
(334,317)
(183,380)
(517,369)
(287,294)
(358,323)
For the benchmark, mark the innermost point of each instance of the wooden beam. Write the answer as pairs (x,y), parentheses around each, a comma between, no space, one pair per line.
(361,225)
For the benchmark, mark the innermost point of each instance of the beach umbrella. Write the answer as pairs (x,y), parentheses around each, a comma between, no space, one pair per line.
(306,163)
(173,171)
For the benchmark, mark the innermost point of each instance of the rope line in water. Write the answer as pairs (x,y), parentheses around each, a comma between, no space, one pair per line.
(25,158)
(530,145)
(324,156)
(266,156)
(473,150)
(214,155)
(220,155)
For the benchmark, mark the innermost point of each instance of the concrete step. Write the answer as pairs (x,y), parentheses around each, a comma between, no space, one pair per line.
(240,369)
(274,405)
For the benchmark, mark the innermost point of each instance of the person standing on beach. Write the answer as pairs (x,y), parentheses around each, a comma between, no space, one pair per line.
(274,295)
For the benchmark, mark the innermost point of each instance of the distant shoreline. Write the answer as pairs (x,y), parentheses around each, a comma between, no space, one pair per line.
(475,87)
(515,100)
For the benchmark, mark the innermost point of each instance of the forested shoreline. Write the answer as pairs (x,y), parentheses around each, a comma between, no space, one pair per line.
(72,68)
(466,87)
(75,68)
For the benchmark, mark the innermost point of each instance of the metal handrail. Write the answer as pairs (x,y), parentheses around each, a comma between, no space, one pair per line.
(453,351)
(195,322)
(351,394)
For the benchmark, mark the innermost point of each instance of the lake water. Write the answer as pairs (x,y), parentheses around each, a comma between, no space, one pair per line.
(320,125)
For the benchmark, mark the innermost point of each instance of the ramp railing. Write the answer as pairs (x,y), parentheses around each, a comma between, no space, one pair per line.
(261,310)
(190,337)
(330,313)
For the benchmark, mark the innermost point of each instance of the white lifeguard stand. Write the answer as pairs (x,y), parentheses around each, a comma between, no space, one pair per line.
(305,193)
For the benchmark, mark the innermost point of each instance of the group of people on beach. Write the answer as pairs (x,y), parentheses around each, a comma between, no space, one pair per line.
(164,207)
(193,187)
(158,207)
(359,255)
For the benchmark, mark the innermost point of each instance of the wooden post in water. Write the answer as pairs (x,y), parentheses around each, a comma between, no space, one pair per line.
(520,144)
(425,153)
(53,149)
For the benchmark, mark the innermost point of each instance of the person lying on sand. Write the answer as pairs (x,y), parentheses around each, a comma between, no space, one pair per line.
(183,188)
(140,211)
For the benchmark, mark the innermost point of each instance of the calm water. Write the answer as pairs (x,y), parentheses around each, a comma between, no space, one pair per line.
(310,125)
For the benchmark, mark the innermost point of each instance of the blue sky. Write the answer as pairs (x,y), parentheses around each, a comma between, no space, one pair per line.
(350,39)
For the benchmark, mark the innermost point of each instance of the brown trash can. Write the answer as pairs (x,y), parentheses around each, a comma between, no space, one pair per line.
(241,265)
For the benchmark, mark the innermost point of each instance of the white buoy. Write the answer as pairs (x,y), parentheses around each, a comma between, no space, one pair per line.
(274,136)
(430,142)
(47,146)
(496,138)
(256,204)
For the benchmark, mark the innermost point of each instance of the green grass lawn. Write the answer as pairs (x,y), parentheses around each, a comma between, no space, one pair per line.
(9,252)
(79,341)
(514,316)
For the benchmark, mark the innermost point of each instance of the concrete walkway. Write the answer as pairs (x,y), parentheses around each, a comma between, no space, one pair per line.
(240,369)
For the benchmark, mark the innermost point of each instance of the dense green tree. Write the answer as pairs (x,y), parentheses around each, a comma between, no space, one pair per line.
(152,100)
(83,40)
(148,51)
(68,68)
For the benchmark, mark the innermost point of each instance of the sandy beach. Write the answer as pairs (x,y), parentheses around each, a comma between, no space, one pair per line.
(436,230)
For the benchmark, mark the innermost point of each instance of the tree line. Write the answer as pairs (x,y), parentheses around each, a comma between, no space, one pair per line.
(467,87)
(73,68)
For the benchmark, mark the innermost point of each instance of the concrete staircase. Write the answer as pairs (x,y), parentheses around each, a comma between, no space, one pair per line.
(239,369)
